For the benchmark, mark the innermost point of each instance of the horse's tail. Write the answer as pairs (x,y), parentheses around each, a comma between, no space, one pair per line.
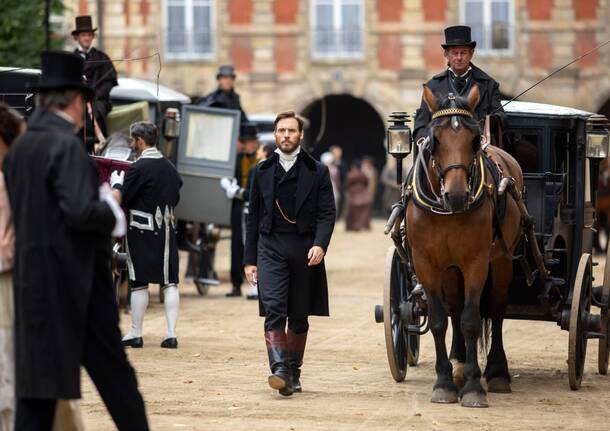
(485,337)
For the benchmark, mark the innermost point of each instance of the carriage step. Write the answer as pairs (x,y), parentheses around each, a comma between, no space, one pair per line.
(592,335)
(556,250)
(379,313)
(551,261)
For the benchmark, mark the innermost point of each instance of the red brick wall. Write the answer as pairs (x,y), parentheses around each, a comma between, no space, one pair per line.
(433,52)
(285,11)
(126,12)
(434,10)
(145,11)
(82,7)
(389,10)
(240,11)
(389,51)
(585,9)
(540,51)
(284,53)
(241,53)
(540,10)
(586,41)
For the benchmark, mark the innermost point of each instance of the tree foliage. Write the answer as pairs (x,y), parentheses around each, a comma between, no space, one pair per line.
(22,31)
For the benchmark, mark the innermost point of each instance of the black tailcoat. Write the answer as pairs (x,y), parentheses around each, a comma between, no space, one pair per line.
(439,84)
(315,218)
(150,192)
(62,243)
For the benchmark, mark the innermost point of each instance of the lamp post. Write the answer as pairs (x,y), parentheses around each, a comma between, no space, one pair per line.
(398,138)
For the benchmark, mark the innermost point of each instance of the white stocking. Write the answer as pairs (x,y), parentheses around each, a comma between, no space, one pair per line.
(139,303)
(172,303)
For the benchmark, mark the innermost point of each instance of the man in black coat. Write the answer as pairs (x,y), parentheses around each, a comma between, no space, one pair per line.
(290,223)
(459,77)
(65,310)
(101,76)
(225,95)
(150,192)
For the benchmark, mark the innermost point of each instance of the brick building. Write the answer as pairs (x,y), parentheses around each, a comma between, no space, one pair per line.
(346,64)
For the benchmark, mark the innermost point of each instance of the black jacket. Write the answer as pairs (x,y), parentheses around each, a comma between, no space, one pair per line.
(224,99)
(315,204)
(62,240)
(490,99)
(150,194)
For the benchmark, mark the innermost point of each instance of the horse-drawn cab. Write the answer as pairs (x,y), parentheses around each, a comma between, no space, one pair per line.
(559,151)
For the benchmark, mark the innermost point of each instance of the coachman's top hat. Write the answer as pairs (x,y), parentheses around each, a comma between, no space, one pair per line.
(225,70)
(248,132)
(458,35)
(83,23)
(62,70)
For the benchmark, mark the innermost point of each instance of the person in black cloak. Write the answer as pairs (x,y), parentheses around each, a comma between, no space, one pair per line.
(65,309)
(461,74)
(101,76)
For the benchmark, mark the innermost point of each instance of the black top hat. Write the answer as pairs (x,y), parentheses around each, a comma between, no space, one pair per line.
(248,131)
(83,23)
(458,35)
(62,70)
(225,70)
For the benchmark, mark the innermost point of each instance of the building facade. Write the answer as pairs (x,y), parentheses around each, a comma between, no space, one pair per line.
(348,63)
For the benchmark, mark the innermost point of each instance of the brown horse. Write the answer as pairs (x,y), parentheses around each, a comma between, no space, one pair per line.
(456,246)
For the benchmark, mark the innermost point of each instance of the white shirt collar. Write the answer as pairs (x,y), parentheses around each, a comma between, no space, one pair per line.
(463,74)
(81,49)
(66,117)
(287,160)
(151,153)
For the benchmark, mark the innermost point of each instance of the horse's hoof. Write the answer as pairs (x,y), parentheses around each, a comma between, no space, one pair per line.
(474,399)
(444,396)
(499,385)
(458,373)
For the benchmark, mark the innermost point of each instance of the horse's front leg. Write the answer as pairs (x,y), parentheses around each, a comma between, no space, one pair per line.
(473,394)
(444,390)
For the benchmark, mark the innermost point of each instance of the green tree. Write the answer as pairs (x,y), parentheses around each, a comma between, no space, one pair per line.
(22,31)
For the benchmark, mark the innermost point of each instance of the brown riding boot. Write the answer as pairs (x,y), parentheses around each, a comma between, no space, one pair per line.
(296,349)
(280,378)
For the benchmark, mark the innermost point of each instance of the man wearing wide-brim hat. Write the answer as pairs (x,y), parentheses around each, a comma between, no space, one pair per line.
(65,310)
(101,76)
(459,77)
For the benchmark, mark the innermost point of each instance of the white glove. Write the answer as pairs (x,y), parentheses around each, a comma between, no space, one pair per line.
(225,183)
(230,187)
(120,225)
(117,178)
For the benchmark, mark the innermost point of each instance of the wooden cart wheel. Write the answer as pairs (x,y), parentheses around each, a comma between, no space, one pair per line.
(604,343)
(579,312)
(396,339)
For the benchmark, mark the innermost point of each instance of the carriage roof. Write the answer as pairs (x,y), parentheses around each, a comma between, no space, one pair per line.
(542,109)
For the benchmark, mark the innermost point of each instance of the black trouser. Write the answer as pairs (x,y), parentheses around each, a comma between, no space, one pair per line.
(105,360)
(284,280)
(237,244)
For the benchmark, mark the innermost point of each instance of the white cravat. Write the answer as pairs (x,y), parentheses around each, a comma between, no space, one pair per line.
(287,160)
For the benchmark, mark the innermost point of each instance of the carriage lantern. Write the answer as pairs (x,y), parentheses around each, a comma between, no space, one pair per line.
(171,123)
(399,139)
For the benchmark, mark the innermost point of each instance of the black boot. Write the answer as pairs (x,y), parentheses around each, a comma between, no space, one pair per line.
(236,291)
(296,349)
(280,378)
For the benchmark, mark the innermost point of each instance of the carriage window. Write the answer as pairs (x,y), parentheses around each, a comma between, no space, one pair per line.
(524,147)
(560,152)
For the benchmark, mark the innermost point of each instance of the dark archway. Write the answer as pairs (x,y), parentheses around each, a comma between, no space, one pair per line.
(349,122)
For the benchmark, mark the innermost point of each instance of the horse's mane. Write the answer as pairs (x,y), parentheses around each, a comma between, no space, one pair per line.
(444,122)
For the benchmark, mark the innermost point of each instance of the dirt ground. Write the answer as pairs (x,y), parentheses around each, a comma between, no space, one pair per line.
(216,379)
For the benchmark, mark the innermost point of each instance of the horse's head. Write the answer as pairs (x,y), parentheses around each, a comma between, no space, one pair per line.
(454,144)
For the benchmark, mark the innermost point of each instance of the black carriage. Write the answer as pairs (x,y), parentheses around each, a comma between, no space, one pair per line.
(559,150)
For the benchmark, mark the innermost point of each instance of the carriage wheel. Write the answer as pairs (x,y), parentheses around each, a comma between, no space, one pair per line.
(604,343)
(581,306)
(396,337)
(413,350)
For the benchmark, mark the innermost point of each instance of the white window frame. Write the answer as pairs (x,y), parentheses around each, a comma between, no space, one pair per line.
(189,55)
(337,27)
(487,21)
